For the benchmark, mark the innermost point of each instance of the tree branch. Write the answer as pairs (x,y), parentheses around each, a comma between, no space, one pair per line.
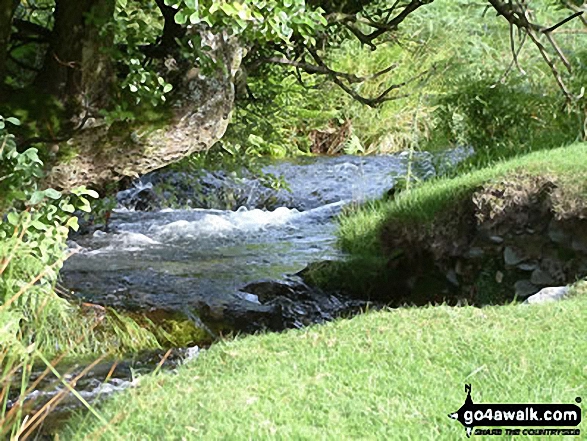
(312,69)
(166,43)
(562,22)
(513,48)
(325,70)
(552,66)
(518,14)
(575,8)
(371,102)
(387,25)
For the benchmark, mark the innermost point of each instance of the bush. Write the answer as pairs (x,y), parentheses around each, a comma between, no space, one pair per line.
(502,119)
(35,323)
(34,226)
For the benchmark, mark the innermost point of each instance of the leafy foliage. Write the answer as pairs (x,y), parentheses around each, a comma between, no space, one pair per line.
(254,20)
(33,230)
(468,97)
(134,26)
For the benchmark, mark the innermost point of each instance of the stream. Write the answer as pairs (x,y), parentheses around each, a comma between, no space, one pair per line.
(233,261)
(229,259)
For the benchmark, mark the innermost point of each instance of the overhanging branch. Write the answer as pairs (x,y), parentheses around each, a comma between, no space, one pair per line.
(518,14)
(323,69)
(388,24)
(562,22)
(371,102)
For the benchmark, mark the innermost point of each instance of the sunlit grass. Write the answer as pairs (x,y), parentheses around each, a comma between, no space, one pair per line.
(359,231)
(383,375)
(453,57)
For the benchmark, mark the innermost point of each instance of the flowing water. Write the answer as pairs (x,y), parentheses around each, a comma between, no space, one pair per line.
(201,259)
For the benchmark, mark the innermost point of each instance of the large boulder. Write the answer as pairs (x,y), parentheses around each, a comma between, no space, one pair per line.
(197,119)
(548,295)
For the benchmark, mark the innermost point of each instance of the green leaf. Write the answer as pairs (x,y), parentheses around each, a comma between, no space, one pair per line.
(92,193)
(51,210)
(72,223)
(37,197)
(68,208)
(39,225)
(181,17)
(85,205)
(228,9)
(52,193)
(19,195)
(195,17)
(167,88)
(13,121)
(13,218)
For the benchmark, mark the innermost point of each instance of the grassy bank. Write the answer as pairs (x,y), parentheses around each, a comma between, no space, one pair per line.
(433,213)
(383,375)
(359,232)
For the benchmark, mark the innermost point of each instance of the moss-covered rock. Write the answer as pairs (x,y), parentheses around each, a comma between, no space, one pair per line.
(197,119)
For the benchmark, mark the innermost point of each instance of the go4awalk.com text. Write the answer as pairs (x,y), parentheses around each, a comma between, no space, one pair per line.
(545,419)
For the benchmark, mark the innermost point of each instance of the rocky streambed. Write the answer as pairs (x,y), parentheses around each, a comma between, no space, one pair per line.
(231,263)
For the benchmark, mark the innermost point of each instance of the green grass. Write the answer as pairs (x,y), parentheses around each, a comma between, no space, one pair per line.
(359,231)
(384,375)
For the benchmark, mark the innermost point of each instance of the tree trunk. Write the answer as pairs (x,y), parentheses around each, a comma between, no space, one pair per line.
(7,8)
(76,68)
(61,70)
(98,74)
